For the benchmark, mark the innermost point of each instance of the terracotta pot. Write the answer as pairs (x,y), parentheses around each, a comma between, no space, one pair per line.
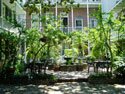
(56,68)
(81,67)
(68,68)
(50,67)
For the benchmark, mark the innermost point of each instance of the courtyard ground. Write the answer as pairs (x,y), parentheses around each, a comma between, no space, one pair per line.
(63,88)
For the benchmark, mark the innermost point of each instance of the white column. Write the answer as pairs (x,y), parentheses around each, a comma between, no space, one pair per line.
(72,30)
(56,10)
(25,55)
(88,25)
(87,14)
(72,19)
(1,13)
(40,23)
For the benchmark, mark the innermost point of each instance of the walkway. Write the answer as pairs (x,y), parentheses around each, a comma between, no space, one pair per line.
(71,75)
(63,88)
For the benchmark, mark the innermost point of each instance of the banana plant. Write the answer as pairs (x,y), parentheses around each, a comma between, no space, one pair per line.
(52,36)
(79,40)
(102,36)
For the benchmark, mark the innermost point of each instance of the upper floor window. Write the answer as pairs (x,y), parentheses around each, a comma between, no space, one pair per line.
(35,20)
(49,18)
(7,12)
(64,18)
(79,23)
(50,15)
(21,19)
(93,22)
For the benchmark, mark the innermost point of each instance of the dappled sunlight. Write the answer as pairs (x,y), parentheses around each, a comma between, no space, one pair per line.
(64,88)
(28,89)
(119,86)
(71,75)
(62,47)
(80,88)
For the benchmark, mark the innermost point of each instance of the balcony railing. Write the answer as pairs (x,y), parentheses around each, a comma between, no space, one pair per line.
(70,29)
(66,30)
(80,1)
(89,1)
(9,26)
(5,24)
(113,4)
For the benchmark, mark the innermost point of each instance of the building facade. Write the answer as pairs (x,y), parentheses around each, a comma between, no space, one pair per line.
(10,13)
(75,19)
(112,5)
(115,6)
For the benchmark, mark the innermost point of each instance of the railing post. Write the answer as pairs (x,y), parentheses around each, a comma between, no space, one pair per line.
(88,25)
(25,55)
(72,19)
(1,13)
(56,12)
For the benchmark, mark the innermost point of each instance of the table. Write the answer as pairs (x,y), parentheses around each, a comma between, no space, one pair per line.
(102,64)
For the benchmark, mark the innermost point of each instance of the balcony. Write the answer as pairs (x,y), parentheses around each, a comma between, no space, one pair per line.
(81,1)
(113,5)
(70,29)
(118,5)
(7,25)
(89,1)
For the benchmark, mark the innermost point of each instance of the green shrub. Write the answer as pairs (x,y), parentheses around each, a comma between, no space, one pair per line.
(120,72)
(118,62)
(49,77)
(100,78)
(101,75)
(19,67)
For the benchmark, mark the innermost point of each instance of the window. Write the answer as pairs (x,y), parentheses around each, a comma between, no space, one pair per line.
(3,7)
(50,17)
(65,21)
(79,24)
(21,19)
(6,12)
(35,20)
(93,22)
(64,18)
(50,14)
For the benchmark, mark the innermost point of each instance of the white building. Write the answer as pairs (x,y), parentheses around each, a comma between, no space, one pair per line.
(9,13)
(75,19)
(112,5)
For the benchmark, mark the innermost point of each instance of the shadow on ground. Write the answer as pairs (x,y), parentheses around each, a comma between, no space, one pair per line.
(63,88)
